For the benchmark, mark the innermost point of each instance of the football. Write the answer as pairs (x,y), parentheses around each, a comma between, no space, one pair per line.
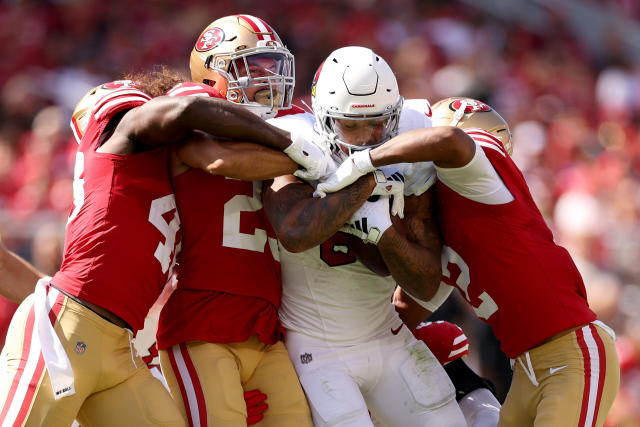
(368,254)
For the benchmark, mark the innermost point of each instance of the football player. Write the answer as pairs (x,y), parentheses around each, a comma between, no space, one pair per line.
(219,334)
(69,352)
(501,256)
(350,349)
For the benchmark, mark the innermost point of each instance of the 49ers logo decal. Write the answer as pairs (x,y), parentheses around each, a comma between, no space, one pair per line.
(117,84)
(210,39)
(472,105)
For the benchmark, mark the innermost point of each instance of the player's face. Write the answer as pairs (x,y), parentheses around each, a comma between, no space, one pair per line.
(360,132)
(257,66)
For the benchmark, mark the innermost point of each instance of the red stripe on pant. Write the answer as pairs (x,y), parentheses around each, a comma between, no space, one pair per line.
(35,378)
(586,395)
(603,368)
(192,379)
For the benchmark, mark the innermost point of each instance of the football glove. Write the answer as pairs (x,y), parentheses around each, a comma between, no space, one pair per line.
(314,162)
(355,166)
(370,221)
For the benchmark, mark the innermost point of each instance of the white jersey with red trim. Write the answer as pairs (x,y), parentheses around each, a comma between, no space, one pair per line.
(327,294)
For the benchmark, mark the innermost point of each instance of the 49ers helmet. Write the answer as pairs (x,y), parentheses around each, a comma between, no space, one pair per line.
(244,58)
(354,85)
(80,115)
(467,113)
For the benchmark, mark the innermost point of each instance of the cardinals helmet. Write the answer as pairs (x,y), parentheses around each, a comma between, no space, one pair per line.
(467,113)
(356,101)
(244,58)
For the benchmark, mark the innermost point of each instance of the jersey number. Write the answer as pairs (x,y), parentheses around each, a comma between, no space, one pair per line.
(164,251)
(231,235)
(78,187)
(335,251)
(455,272)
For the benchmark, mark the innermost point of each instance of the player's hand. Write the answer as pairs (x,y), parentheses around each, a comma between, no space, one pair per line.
(355,166)
(390,182)
(370,221)
(314,161)
(418,177)
(256,406)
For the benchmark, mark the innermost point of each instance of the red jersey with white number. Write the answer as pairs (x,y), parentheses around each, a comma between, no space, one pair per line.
(504,261)
(122,234)
(228,270)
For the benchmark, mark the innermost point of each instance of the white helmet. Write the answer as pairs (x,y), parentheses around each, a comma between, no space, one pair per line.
(356,101)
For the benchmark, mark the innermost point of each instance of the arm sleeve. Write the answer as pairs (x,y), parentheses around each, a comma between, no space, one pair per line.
(477,180)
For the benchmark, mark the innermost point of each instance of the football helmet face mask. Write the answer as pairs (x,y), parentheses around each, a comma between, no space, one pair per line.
(244,58)
(356,101)
(80,115)
(467,113)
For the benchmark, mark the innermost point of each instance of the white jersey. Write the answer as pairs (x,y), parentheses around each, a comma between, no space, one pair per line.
(326,293)
(344,304)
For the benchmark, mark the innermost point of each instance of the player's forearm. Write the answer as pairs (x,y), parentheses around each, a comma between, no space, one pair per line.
(444,145)
(411,313)
(17,277)
(302,221)
(240,160)
(251,162)
(229,120)
(415,268)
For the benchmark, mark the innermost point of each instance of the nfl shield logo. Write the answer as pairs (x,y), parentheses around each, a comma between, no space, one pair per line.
(80,347)
(306,358)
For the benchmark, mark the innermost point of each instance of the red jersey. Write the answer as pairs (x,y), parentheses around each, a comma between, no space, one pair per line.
(228,270)
(504,261)
(122,234)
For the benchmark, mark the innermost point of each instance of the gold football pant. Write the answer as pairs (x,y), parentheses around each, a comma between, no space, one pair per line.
(208,381)
(569,381)
(112,386)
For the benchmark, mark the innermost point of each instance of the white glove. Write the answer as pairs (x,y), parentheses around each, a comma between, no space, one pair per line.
(390,182)
(418,177)
(315,161)
(355,166)
(370,221)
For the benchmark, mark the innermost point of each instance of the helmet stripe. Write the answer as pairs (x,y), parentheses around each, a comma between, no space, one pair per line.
(123,100)
(120,92)
(482,135)
(258,26)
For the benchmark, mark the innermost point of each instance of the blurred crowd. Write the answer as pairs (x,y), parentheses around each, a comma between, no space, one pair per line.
(574,110)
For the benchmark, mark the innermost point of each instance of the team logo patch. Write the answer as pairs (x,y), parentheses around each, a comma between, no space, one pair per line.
(80,347)
(117,84)
(472,106)
(306,358)
(210,39)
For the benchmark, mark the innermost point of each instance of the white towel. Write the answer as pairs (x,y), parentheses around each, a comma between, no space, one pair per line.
(55,358)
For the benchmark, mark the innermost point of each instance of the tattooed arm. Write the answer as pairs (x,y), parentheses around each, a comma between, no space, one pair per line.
(414,259)
(302,221)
